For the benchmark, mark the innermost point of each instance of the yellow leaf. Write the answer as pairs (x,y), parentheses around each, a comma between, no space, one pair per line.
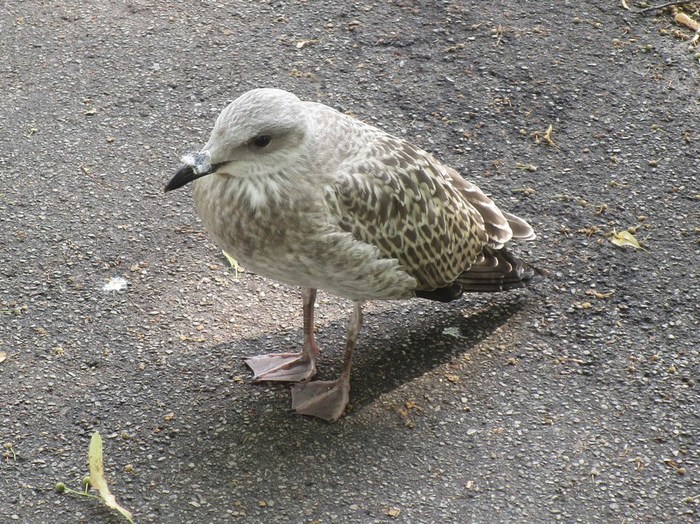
(234,264)
(393,512)
(97,476)
(548,136)
(685,20)
(624,238)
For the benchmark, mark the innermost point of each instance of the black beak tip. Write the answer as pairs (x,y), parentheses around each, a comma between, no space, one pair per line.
(184,176)
(168,187)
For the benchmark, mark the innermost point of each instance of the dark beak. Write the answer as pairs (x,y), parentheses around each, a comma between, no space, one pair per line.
(185,175)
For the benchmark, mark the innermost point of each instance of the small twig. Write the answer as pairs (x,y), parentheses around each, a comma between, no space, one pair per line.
(662,6)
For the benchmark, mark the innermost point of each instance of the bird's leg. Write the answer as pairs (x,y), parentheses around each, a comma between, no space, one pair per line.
(291,367)
(328,399)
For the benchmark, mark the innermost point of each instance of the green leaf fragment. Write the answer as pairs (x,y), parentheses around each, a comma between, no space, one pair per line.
(97,476)
(234,264)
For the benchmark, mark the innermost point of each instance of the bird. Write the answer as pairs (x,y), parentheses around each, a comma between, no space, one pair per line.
(303,194)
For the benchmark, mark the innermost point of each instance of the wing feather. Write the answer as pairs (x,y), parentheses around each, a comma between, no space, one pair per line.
(408,204)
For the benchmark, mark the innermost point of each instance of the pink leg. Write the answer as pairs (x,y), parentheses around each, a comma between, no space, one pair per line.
(328,399)
(291,367)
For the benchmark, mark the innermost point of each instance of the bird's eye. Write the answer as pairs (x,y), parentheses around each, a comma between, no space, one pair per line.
(262,140)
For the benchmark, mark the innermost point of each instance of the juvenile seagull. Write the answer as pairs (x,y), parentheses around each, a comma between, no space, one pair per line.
(303,194)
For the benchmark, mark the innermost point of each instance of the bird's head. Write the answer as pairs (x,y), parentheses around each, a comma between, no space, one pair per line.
(260,132)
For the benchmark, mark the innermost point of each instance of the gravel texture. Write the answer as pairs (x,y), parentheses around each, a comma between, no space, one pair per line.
(575,402)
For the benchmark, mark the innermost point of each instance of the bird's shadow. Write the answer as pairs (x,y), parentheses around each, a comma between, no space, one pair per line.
(420,344)
(395,346)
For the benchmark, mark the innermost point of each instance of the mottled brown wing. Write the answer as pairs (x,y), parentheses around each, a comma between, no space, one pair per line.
(406,203)
(500,226)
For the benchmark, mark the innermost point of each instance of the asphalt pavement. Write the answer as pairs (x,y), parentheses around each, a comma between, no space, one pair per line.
(575,401)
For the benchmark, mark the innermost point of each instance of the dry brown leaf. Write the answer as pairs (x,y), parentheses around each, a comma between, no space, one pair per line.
(683,19)
(393,512)
(3,356)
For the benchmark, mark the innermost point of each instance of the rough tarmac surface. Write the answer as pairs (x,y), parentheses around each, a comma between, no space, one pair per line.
(576,401)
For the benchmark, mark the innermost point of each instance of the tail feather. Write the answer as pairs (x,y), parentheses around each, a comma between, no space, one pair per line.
(497,270)
(521,229)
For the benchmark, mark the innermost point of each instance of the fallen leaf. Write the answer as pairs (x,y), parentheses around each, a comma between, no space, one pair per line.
(624,238)
(683,19)
(548,136)
(393,512)
(452,332)
(234,264)
(97,476)
(3,356)
(303,43)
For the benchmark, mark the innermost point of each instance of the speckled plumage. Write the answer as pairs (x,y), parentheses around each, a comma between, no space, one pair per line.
(303,194)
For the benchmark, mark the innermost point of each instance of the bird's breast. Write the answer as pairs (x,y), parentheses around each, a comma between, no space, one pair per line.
(294,240)
(249,217)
